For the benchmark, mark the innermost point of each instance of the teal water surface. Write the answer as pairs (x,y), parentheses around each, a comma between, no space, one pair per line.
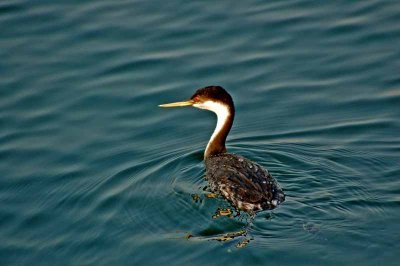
(92,172)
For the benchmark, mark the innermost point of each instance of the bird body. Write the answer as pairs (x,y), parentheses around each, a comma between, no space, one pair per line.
(245,184)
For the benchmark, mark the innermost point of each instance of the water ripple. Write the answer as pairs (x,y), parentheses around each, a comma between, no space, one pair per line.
(92,172)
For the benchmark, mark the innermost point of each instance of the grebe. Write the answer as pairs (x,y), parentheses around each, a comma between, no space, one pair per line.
(245,184)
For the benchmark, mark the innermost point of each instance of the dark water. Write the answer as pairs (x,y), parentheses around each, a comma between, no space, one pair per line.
(92,172)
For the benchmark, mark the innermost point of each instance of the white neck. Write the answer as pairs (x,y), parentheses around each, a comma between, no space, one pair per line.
(222,112)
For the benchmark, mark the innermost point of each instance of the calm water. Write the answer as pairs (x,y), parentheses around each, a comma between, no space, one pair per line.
(92,172)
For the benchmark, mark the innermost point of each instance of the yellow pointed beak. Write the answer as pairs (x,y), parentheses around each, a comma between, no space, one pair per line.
(178,104)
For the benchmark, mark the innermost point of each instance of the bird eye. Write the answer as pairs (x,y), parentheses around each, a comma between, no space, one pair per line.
(196,99)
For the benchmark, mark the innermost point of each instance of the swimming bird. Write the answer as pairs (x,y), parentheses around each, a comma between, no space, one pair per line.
(245,184)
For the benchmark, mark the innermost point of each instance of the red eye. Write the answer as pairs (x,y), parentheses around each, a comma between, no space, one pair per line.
(196,99)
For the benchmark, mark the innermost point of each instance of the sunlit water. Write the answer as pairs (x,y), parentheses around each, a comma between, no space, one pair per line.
(92,172)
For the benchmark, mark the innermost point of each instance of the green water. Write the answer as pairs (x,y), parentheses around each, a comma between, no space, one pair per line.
(92,172)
